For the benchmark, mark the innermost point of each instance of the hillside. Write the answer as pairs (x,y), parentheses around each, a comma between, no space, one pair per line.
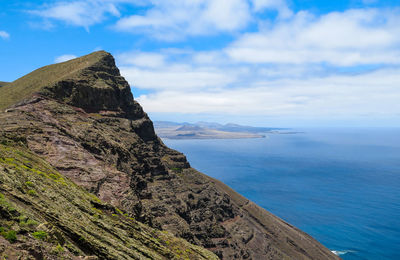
(45,215)
(75,132)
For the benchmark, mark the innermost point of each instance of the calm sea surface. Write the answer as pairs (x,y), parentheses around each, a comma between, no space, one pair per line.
(342,186)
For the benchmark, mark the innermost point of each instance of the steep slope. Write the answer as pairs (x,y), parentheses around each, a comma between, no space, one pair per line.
(80,117)
(25,86)
(46,216)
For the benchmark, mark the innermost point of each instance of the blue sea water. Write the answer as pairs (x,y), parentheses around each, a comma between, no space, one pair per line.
(341,186)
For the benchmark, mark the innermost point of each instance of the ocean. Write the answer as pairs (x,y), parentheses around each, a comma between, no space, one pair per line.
(341,186)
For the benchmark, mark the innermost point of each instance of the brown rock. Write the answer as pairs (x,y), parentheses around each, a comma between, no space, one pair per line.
(84,121)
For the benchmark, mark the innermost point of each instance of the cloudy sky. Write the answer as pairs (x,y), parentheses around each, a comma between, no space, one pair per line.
(259,62)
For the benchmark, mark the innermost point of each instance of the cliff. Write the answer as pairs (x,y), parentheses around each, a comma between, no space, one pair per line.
(79,121)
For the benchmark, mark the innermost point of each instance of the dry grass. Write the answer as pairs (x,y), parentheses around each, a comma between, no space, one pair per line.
(33,82)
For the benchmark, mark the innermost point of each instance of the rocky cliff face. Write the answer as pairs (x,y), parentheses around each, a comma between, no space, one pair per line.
(80,118)
(44,215)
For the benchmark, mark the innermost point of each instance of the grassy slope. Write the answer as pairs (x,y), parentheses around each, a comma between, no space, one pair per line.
(2,83)
(31,83)
(41,205)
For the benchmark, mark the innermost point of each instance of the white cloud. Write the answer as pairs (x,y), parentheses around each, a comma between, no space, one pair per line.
(364,36)
(209,57)
(64,57)
(279,5)
(374,94)
(166,20)
(225,15)
(171,20)
(171,69)
(142,59)
(181,77)
(287,69)
(5,35)
(78,13)
(286,90)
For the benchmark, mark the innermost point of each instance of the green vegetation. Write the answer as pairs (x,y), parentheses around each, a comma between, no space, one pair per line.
(42,235)
(53,176)
(57,250)
(10,235)
(119,211)
(71,219)
(5,205)
(94,198)
(32,192)
(29,184)
(29,223)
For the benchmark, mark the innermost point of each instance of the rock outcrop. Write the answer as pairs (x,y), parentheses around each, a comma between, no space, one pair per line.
(46,216)
(80,119)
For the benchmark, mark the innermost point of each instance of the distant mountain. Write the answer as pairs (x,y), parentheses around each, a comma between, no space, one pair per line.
(209,130)
(212,125)
(243,128)
(190,128)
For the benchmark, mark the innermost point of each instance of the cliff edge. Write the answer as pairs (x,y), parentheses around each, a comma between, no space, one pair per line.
(80,118)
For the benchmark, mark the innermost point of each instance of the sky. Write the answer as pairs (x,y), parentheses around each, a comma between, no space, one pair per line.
(278,63)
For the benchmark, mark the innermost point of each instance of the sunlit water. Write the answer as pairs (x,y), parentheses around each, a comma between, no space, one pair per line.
(342,186)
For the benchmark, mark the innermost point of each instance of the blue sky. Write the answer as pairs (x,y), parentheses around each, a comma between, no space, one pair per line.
(260,62)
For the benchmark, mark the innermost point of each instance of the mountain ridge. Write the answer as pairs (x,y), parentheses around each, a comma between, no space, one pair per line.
(209,130)
(83,123)
(29,84)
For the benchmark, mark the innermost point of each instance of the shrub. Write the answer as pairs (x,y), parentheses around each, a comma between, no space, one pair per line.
(119,211)
(32,192)
(22,218)
(53,176)
(58,250)
(5,204)
(31,223)
(11,235)
(42,235)
(27,223)
(29,184)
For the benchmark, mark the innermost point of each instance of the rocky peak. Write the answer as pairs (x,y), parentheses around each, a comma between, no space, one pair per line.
(92,82)
(99,87)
